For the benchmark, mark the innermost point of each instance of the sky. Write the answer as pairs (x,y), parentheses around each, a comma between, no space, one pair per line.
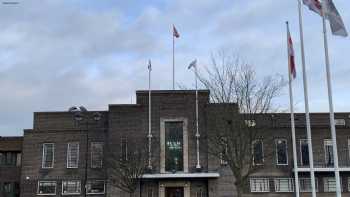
(59,53)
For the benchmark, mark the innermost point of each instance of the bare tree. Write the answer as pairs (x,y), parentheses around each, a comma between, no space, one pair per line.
(232,81)
(126,168)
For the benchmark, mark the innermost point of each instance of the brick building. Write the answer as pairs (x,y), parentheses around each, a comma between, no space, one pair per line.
(55,151)
(10,166)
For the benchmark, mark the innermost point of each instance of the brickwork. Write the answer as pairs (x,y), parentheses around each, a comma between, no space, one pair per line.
(131,122)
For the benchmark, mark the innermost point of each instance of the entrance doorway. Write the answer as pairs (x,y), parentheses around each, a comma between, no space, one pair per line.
(174,192)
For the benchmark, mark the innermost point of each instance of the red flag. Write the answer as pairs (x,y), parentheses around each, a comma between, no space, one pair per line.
(314,5)
(291,61)
(175,32)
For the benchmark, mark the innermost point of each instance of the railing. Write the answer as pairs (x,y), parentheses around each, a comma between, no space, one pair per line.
(323,161)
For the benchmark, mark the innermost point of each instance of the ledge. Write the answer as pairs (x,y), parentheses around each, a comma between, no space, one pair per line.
(316,169)
(180,175)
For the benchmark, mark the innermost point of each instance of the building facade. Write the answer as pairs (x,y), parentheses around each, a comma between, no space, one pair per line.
(63,153)
(10,166)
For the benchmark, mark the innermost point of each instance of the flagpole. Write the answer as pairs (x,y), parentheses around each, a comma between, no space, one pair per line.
(330,101)
(198,166)
(149,117)
(306,98)
(291,103)
(173,59)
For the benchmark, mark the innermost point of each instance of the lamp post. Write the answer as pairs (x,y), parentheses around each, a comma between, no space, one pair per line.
(81,114)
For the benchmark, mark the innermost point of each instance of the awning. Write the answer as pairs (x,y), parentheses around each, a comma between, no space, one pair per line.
(181,175)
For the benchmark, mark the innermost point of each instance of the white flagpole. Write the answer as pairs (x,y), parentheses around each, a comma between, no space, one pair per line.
(291,103)
(330,101)
(306,99)
(173,59)
(149,117)
(194,64)
(198,166)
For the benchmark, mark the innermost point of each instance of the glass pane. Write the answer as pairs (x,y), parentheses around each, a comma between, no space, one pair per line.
(174,146)
(48,155)
(47,188)
(258,152)
(71,187)
(281,152)
(96,155)
(304,150)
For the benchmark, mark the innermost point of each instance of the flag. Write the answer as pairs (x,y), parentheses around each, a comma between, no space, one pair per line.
(331,13)
(314,5)
(291,61)
(335,20)
(175,32)
(192,64)
(149,65)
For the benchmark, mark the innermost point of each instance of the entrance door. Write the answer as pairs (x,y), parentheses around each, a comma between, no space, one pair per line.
(174,192)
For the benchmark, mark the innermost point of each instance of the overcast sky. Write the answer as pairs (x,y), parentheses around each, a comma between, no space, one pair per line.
(59,53)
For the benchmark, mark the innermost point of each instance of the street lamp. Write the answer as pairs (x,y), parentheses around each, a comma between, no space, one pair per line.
(81,114)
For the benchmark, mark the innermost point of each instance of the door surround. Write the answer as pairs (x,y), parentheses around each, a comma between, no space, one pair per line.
(185,184)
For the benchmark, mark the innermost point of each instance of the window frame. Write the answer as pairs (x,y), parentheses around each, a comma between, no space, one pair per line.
(43,158)
(92,156)
(262,191)
(46,194)
(66,194)
(291,184)
(69,154)
(300,150)
(104,187)
(124,149)
(328,142)
(286,151)
(262,152)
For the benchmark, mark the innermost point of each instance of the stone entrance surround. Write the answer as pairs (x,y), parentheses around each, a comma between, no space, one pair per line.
(162,142)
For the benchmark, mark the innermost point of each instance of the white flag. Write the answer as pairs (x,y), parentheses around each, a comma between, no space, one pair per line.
(335,20)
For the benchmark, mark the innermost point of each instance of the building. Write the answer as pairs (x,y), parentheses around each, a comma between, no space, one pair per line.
(56,160)
(10,166)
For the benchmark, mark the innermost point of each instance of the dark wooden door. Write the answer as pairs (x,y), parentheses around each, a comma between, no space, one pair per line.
(174,192)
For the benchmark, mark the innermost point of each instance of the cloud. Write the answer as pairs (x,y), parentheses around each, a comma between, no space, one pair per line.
(54,54)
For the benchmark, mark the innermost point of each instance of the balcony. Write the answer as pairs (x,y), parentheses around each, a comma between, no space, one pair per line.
(322,163)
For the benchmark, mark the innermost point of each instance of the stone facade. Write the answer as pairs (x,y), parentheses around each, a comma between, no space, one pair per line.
(131,122)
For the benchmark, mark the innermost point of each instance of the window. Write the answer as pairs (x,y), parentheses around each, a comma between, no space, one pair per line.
(281,152)
(328,152)
(259,185)
(95,187)
(329,184)
(48,155)
(173,146)
(304,152)
(96,154)
(9,158)
(305,184)
(258,152)
(71,187)
(349,184)
(47,188)
(284,185)
(124,148)
(73,155)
